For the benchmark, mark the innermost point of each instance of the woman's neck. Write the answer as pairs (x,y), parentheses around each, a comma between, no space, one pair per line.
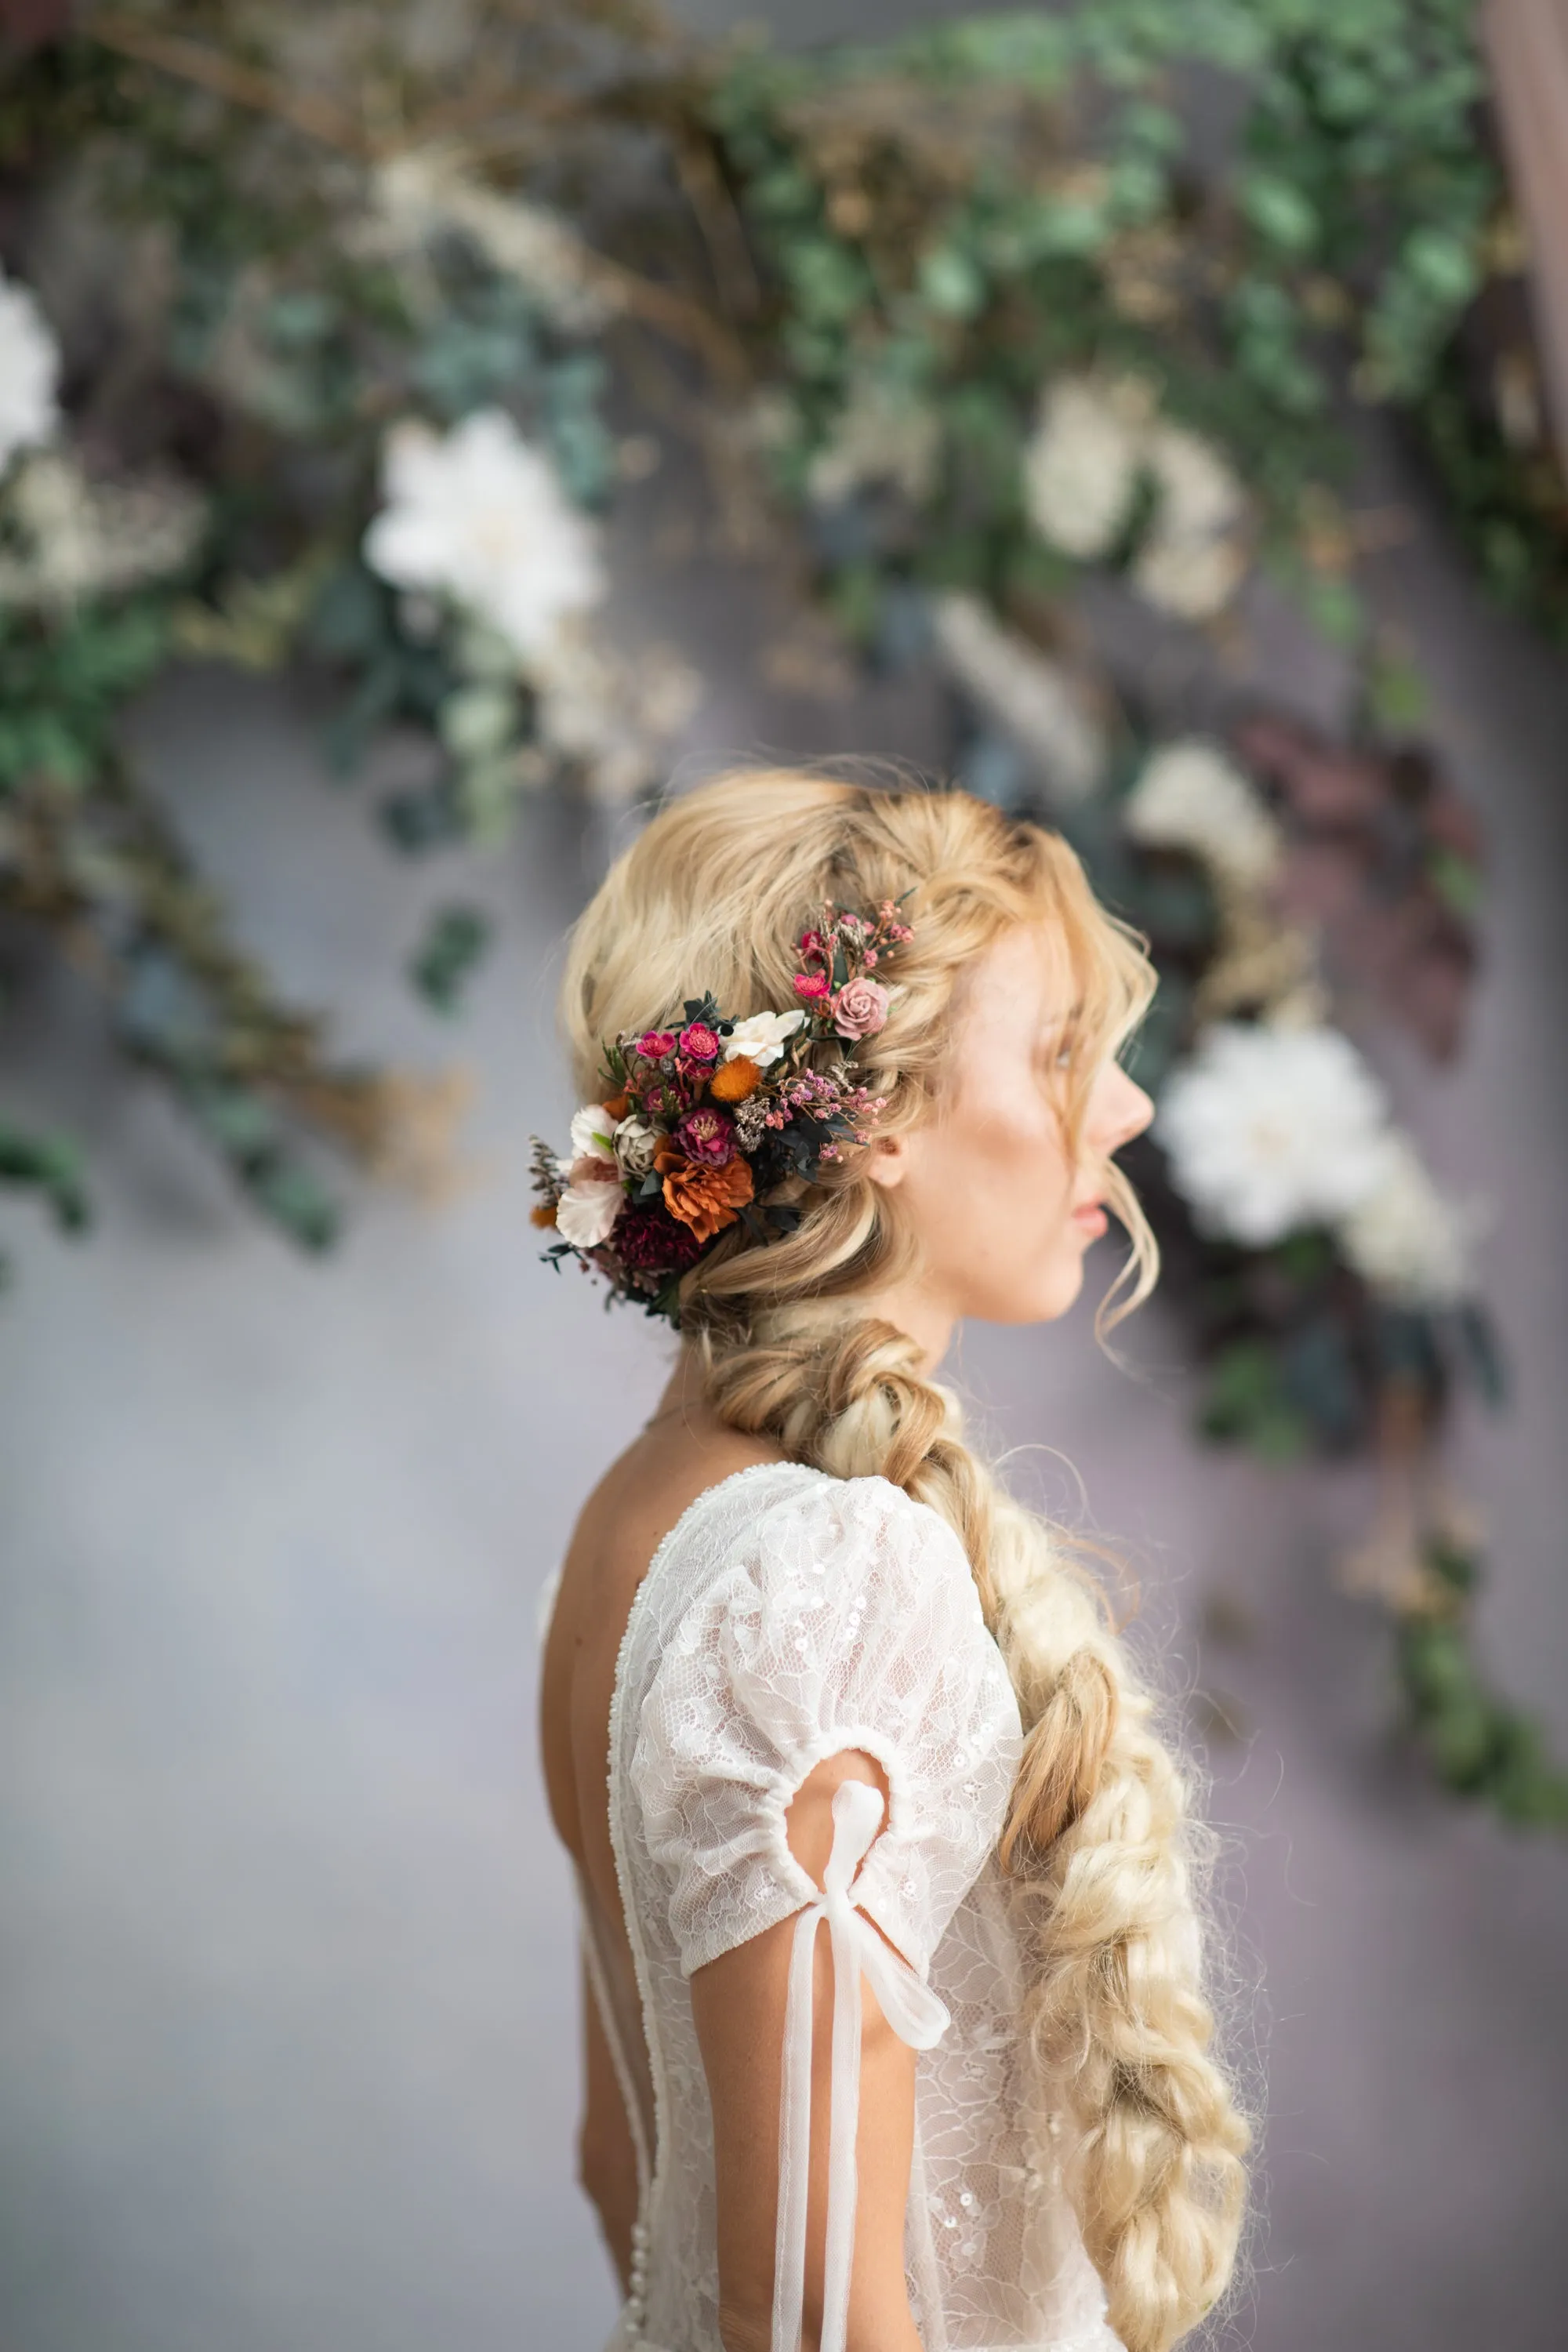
(909,1309)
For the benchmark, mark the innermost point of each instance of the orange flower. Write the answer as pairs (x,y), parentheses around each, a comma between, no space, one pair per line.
(706,1199)
(543,1214)
(617,1106)
(733,1081)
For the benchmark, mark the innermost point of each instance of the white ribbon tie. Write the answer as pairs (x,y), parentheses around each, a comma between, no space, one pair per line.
(916,2016)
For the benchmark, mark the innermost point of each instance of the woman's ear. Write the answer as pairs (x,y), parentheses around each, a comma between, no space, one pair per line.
(887,1159)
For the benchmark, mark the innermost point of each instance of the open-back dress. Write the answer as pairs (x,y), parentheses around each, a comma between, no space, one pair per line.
(789,1615)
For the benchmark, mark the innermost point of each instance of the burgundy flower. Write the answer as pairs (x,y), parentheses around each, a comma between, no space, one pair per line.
(651,1241)
(707,1135)
(655,1043)
(812,984)
(699,1043)
(810,945)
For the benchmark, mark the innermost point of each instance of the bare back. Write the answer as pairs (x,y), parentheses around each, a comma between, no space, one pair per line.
(622,1524)
(739,2001)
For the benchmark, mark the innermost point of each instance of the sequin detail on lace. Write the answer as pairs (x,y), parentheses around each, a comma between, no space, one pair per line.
(790,1616)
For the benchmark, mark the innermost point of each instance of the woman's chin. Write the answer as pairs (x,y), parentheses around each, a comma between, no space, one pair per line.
(1053,1289)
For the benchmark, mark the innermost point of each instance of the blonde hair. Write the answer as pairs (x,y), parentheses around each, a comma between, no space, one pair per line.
(1098,1847)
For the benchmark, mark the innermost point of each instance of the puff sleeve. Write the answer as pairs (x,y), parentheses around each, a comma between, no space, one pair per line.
(844,1617)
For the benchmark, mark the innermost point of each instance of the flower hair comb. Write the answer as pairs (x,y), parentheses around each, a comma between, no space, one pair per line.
(701,1120)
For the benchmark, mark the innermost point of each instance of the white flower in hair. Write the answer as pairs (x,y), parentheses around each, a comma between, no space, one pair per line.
(1267,1129)
(1191,797)
(480,515)
(30,371)
(592,1129)
(761,1038)
(587,1213)
(1405,1239)
(635,1144)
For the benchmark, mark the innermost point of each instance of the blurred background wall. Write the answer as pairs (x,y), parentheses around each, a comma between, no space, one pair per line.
(287,2046)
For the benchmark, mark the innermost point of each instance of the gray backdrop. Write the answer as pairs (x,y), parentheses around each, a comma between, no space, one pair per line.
(288,2048)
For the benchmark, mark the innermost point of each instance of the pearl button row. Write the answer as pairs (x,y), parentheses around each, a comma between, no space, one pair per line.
(637,2294)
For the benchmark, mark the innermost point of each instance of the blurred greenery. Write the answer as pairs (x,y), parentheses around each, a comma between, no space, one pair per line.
(848,277)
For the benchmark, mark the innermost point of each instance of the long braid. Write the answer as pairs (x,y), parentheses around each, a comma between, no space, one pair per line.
(1101,1856)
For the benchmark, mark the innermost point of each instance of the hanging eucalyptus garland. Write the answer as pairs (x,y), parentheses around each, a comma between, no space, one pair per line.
(313,325)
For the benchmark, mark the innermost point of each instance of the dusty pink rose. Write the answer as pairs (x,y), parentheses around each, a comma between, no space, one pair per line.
(699,1043)
(860,1008)
(655,1043)
(707,1136)
(812,984)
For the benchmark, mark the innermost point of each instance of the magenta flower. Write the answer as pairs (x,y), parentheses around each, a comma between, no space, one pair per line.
(811,984)
(707,1135)
(699,1042)
(860,1008)
(810,945)
(655,1043)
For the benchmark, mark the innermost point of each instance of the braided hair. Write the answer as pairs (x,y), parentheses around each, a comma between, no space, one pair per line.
(1103,1858)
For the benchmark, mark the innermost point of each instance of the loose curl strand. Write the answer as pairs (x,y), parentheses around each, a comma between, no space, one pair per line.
(1101,1856)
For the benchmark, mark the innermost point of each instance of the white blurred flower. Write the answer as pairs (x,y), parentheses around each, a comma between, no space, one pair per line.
(1190,796)
(1096,435)
(421,192)
(480,514)
(1195,554)
(30,372)
(1269,1129)
(614,717)
(761,1038)
(587,1213)
(878,436)
(1405,1239)
(592,1130)
(1036,700)
(1081,462)
(84,538)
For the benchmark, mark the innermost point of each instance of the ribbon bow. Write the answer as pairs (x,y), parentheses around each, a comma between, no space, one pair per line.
(916,2016)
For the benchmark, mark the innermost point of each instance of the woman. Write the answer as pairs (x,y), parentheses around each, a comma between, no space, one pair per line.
(848,1058)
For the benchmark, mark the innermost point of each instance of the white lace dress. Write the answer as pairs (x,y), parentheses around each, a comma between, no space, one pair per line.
(787,1616)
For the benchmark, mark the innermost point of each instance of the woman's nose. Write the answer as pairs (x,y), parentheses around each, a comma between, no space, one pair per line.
(1125,1111)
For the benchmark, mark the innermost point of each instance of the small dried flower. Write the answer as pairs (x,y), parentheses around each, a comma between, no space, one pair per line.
(593,1168)
(699,1043)
(648,1240)
(636,1143)
(860,1009)
(707,1135)
(617,1106)
(655,1043)
(543,1214)
(737,1080)
(812,984)
(706,1199)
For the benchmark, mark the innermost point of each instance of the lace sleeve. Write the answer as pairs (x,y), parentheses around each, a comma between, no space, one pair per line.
(847,1618)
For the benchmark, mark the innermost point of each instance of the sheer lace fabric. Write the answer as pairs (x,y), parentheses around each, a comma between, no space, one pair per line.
(788,1616)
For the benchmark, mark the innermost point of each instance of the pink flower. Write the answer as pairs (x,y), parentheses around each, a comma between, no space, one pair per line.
(860,1008)
(810,945)
(811,984)
(655,1043)
(699,1042)
(707,1135)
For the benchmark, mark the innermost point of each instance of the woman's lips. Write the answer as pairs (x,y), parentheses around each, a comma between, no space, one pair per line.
(1091,1217)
